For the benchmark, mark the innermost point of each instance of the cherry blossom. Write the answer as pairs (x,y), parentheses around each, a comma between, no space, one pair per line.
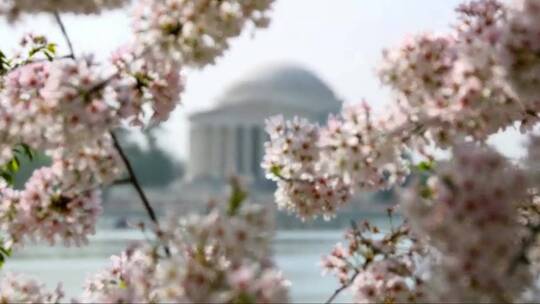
(292,158)
(518,50)
(15,288)
(129,279)
(142,79)
(386,281)
(13,8)
(57,214)
(469,210)
(292,151)
(218,258)
(359,148)
(309,199)
(377,266)
(195,32)
(47,210)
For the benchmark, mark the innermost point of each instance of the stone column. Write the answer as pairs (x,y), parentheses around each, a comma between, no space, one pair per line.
(262,139)
(200,149)
(194,153)
(248,152)
(215,150)
(239,150)
(218,151)
(206,151)
(229,151)
(192,163)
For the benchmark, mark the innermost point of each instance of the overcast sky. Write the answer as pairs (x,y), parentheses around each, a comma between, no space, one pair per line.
(339,40)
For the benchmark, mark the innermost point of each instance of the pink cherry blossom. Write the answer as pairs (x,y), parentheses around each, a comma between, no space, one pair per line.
(15,288)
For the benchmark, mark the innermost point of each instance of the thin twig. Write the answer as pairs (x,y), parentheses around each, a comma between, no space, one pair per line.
(121,182)
(62,57)
(100,85)
(134,180)
(137,185)
(64,32)
(354,228)
(342,288)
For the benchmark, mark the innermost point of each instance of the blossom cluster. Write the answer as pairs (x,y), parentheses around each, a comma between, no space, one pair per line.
(13,8)
(356,147)
(455,82)
(476,80)
(215,258)
(387,281)
(21,289)
(46,209)
(318,168)
(68,103)
(469,210)
(292,160)
(378,267)
(142,80)
(518,49)
(52,106)
(195,32)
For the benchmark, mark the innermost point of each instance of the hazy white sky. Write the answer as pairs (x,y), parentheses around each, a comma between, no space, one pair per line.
(340,40)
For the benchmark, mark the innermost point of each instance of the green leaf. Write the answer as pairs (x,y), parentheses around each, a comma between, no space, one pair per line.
(244,298)
(238,196)
(49,56)
(7,177)
(49,50)
(276,170)
(447,180)
(142,79)
(4,64)
(4,254)
(34,51)
(4,251)
(28,151)
(51,47)
(425,166)
(14,165)
(426,192)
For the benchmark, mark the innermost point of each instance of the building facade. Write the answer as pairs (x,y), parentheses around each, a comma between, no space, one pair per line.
(229,138)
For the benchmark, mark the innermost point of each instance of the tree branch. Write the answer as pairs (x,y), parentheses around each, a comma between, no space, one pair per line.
(121,182)
(66,36)
(133,179)
(137,185)
(342,288)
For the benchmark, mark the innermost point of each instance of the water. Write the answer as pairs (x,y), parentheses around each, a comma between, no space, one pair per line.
(297,253)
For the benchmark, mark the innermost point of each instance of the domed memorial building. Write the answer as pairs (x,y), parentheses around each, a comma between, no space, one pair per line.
(229,139)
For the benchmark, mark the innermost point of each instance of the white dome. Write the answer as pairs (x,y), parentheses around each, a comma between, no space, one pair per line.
(283,85)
